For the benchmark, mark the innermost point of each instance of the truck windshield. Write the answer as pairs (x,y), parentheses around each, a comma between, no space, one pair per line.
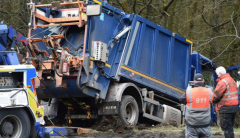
(235,74)
(208,77)
(11,80)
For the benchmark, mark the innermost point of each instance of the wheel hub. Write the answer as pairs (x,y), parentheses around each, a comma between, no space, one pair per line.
(130,113)
(10,126)
(7,128)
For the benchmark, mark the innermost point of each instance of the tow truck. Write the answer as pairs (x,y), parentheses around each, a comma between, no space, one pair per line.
(21,115)
(19,108)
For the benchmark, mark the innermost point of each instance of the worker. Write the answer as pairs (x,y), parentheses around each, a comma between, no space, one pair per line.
(198,113)
(226,101)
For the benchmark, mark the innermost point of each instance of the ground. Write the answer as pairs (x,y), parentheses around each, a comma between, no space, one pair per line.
(146,131)
(111,127)
(158,131)
(154,132)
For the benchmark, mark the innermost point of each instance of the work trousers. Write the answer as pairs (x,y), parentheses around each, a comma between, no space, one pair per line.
(201,132)
(218,119)
(226,123)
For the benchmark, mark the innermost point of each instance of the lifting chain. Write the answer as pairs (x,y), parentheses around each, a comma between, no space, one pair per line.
(87,107)
(69,115)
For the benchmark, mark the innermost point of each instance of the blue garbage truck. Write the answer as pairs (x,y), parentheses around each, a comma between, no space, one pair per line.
(94,60)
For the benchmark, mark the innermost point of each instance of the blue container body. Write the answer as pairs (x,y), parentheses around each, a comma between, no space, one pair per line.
(148,55)
(157,58)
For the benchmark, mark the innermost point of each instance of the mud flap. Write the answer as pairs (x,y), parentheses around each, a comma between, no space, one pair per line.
(108,108)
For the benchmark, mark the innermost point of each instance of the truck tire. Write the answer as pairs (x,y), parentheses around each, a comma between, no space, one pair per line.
(128,110)
(14,123)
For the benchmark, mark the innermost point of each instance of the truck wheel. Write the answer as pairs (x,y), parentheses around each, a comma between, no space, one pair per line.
(14,123)
(128,110)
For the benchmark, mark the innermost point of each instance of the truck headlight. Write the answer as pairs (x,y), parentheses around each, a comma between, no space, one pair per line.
(4,100)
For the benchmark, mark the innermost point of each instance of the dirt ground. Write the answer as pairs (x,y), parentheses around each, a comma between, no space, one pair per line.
(111,127)
(152,132)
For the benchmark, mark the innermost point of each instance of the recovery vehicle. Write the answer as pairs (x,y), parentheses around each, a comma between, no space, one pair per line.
(19,108)
(21,116)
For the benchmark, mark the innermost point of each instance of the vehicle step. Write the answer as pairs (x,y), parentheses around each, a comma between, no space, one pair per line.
(151,101)
(153,117)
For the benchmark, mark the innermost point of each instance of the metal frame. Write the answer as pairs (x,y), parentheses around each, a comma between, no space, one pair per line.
(62,21)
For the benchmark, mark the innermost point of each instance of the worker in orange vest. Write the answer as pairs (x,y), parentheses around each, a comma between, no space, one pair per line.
(198,113)
(226,101)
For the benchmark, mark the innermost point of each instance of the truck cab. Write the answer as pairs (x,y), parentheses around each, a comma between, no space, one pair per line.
(19,108)
(201,64)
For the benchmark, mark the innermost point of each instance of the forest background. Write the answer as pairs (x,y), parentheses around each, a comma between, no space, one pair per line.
(213,25)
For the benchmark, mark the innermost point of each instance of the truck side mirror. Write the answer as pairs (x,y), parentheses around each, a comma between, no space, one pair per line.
(94,10)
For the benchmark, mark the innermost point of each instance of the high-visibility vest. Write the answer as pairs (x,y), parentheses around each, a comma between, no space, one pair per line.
(199,101)
(230,96)
(199,97)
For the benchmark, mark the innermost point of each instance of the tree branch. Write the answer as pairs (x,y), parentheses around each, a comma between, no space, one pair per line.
(120,5)
(155,8)
(225,49)
(204,18)
(134,6)
(236,31)
(150,1)
(228,45)
(168,5)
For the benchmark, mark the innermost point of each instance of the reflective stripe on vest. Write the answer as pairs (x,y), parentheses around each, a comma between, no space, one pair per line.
(211,97)
(190,97)
(229,93)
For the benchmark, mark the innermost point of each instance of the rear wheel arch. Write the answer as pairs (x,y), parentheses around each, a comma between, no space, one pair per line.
(118,90)
(133,91)
(30,114)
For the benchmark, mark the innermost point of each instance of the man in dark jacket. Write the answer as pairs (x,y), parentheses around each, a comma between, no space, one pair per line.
(198,114)
(226,101)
